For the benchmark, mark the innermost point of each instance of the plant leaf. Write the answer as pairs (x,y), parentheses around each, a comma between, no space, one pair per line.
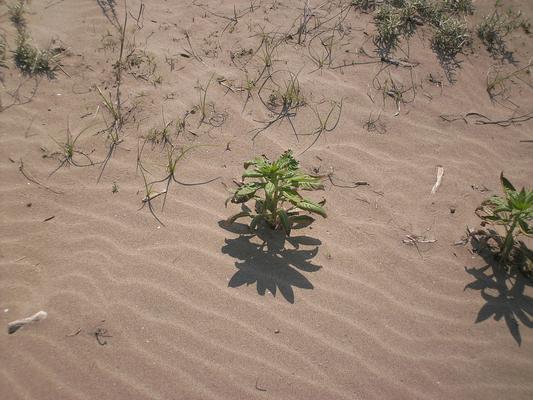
(525,228)
(270,190)
(284,219)
(252,173)
(247,190)
(301,220)
(507,186)
(313,207)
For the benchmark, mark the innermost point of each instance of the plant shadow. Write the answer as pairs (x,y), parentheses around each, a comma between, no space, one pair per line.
(262,258)
(502,288)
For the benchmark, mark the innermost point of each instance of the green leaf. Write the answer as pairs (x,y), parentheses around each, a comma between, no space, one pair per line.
(270,190)
(292,196)
(308,205)
(287,162)
(285,222)
(507,186)
(252,173)
(306,182)
(248,189)
(525,228)
(301,220)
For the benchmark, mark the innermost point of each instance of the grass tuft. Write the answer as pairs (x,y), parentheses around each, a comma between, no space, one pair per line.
(33,61)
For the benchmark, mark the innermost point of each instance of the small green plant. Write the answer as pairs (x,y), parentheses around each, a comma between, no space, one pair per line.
(279,181)
(514,212)
(458,6)
(114,188)
(16,14)
(450,38)
(33,61)
(496,26)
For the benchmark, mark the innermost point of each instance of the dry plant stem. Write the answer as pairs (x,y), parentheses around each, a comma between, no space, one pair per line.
(324,122)
(33,180)
(171,169)
(120,66)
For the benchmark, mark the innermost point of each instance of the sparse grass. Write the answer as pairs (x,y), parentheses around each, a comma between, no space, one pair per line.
(206,109)
(375,125)
(33,61)
(16,14)
(68,154)
(174,156)
(398,20)
(498,82)
(365,5)
(450,38)
(162,136)
(141,65)
(2,51)
(458,6)
(497,26)
(283,101)
(388,25)
(326,122)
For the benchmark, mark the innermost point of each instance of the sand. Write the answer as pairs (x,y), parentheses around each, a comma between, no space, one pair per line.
(343,309)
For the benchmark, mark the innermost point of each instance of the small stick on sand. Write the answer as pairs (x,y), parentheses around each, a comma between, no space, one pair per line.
(440,173)
(14,326)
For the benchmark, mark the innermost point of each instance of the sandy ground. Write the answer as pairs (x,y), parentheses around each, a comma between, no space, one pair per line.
(194,310)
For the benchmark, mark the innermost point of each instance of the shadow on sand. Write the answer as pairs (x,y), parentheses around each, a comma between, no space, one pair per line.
(264,259)
(501,288)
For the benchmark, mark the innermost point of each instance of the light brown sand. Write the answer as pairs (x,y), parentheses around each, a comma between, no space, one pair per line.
(357,314)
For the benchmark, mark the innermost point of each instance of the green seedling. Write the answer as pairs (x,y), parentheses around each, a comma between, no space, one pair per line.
(68,154)
(114,188)
(33,61)
(514,212)
(279,182)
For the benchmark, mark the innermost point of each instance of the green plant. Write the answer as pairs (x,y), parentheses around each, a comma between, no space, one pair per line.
(458,6)
(16,14)
(33,61)
(514,212)
(69,154)
(279,181)
(450,38)
(496,26)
